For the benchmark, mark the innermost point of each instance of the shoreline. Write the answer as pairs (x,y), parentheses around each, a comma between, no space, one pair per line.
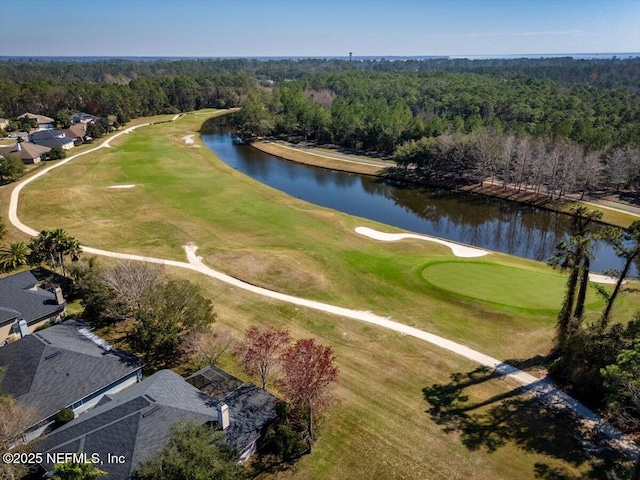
(375,168)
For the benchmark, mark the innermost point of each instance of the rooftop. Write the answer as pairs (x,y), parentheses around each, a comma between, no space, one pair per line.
(56,367)
(23,294)
(136,423)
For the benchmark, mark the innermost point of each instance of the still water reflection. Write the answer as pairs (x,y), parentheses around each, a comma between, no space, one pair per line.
(472,219)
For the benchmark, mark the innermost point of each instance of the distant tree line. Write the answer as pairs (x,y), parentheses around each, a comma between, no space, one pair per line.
(562,132)
(56,97)
(607,73)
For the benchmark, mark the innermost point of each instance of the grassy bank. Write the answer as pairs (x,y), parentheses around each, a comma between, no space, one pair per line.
(319,159)
(382,429)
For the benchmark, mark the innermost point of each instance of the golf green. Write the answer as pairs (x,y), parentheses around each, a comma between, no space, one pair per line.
(499,284)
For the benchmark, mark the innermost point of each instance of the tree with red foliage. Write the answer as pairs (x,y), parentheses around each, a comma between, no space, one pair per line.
(259,351)
(310,375)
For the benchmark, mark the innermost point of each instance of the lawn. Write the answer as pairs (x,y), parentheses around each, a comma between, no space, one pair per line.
(183,194)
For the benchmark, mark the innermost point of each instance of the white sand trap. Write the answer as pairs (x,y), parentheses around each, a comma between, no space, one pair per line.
(188,139)
(457,249)
(121,186)
(597,278)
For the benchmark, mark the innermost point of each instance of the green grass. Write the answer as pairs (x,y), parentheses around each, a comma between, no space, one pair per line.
(381,430)
(524,289)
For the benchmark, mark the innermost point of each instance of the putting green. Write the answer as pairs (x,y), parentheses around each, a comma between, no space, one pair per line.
(500,284)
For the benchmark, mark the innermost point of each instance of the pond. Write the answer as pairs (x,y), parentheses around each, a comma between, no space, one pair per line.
(478,220)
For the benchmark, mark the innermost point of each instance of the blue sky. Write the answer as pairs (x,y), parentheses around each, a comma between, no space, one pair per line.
(214,28)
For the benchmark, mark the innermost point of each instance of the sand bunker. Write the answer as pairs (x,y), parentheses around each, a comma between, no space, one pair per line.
(597,278)
(457,249)
(121,186)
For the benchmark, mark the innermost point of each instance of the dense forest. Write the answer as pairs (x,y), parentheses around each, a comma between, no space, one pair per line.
(556,125)
(606,73)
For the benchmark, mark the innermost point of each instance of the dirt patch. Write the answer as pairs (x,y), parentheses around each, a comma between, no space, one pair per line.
(280,270)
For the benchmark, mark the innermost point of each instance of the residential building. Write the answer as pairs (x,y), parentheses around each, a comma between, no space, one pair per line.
(63,366)
(76,132)
(136,424)
(44,123)
(4,123)
(85,118)
(33,297)
(52,138)
(28,152)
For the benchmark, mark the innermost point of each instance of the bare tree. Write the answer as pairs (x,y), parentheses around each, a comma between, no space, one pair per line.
(15,418)
(523,156)
(620,166)
(131,282)
(589,173)
(507,161)
(486,147)
(208,345)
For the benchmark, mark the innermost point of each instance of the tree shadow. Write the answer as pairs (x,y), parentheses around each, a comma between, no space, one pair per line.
(519,417)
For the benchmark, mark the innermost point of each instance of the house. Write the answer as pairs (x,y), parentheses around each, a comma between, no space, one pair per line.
(76,132)
(136,423)
(44,123)
(28,152)
(31,296)
(4,123)
(85,118)
(64,366)
(251,408)
(52,138)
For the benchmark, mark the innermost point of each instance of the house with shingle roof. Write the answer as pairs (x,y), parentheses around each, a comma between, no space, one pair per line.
(64,366)
(76,132)
(81,117)
(30,297)
(136,423)
(52,138)
(44,123)
(28,152)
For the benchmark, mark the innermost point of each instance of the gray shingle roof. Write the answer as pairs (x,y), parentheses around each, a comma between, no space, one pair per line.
(21,294)
(56,367)
(137,422)
(50,138)
(250,408)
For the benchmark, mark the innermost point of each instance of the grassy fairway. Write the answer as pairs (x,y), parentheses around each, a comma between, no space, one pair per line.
(183,193)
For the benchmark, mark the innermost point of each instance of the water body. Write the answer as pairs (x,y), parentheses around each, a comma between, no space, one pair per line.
(466,218)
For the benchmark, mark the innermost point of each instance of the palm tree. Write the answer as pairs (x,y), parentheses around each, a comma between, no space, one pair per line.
(13,256)
(51,247)
(574,255)
(626,244)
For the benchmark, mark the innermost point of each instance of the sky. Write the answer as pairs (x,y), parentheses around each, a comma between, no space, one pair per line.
(317,28)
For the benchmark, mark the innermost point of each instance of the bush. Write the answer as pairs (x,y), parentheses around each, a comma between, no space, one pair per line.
(56,153)
(287,436)
(64,416)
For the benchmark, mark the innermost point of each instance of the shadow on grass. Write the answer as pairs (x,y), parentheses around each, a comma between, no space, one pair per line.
(517,417)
